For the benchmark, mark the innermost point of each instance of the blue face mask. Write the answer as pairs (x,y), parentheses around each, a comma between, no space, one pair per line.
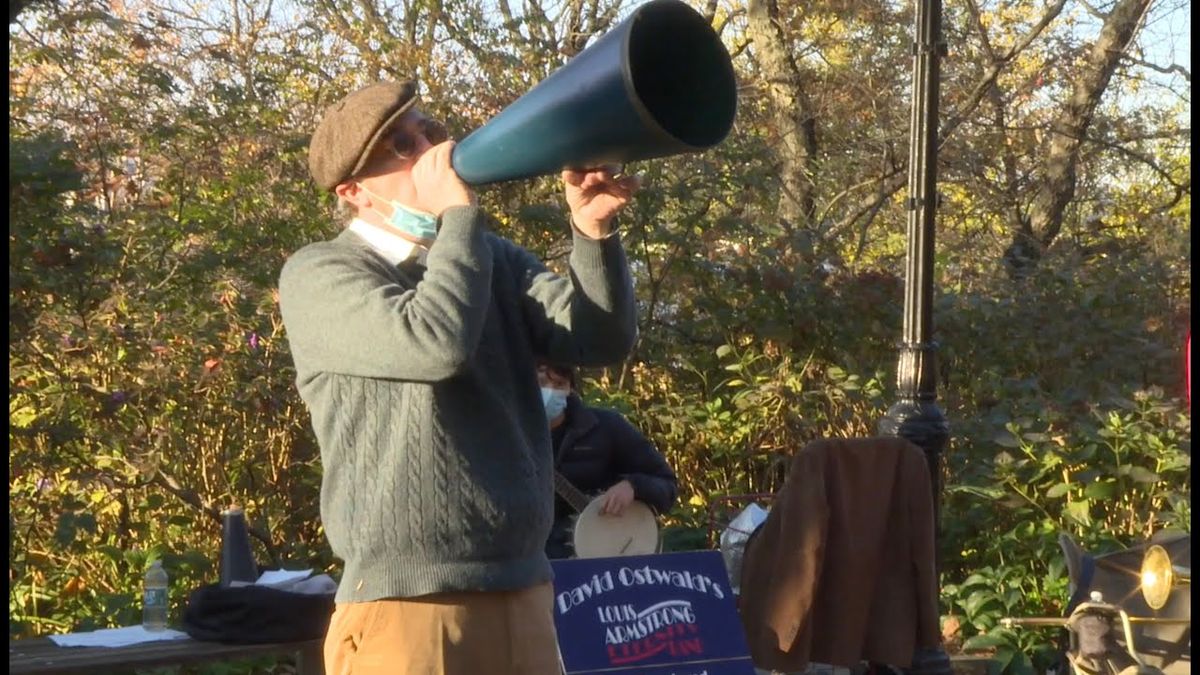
(555,402)
(415,223)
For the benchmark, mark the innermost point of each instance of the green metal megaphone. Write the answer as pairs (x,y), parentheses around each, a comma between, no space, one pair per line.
(659,84)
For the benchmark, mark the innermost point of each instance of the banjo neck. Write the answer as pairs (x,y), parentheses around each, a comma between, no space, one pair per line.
(576,498)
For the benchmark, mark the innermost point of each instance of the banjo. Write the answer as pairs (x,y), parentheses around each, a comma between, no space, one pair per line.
(601,535)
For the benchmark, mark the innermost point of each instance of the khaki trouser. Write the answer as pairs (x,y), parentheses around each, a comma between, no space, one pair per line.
(495,633)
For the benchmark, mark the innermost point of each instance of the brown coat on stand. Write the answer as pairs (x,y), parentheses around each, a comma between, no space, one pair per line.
(843,568)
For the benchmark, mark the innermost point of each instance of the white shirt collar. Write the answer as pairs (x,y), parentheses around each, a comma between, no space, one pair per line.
(395,248)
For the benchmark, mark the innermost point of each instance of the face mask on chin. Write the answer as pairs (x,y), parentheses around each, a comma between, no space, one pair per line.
(412,222)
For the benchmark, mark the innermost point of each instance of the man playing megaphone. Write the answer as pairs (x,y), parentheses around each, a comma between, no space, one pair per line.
(415,334)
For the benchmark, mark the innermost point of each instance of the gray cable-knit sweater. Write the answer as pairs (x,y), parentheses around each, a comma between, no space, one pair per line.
(422,389)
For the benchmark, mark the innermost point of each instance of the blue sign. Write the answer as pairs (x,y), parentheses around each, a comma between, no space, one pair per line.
(670,614)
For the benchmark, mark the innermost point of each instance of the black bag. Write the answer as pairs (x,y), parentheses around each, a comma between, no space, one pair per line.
(255,615)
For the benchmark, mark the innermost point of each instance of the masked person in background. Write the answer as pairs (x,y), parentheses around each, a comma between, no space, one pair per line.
(416,334)
(598,451)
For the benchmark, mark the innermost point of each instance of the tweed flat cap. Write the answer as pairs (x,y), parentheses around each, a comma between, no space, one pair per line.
(351,127)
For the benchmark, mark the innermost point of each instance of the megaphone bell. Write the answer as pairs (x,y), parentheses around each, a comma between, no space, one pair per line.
(661,83)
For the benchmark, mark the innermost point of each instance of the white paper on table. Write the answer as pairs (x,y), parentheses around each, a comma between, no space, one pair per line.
(282,577)
(275,579)
(115,637)
(321,584)
(298,581)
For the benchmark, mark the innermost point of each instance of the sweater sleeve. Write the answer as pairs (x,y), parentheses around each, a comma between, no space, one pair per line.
(346,314)
(588,319)
(637,460)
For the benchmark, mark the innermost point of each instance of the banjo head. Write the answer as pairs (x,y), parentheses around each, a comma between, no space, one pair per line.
(597,535)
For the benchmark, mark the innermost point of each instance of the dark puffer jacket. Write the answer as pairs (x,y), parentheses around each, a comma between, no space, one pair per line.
(600,448)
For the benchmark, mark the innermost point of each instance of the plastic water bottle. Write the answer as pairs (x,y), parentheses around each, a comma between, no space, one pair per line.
(154,598)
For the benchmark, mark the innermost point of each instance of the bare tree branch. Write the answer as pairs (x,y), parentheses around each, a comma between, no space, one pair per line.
(989,78)
(574,36)
(720,28)
(192,498)
(371,15)
(1174,68)
(603,21)
(889,184)
(977,24)
(480,53)
(841,195)
(1180,188)
(1093,10)
(541,27)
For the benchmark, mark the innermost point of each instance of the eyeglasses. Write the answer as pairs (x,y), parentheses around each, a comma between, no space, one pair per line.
(404,143)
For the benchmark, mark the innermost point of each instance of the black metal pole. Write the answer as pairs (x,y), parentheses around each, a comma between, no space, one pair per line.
(915,415)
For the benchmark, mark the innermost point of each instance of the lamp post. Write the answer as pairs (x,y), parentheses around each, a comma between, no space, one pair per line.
(916,416)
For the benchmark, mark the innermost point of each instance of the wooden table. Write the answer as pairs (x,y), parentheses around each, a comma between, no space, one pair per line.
(40,655)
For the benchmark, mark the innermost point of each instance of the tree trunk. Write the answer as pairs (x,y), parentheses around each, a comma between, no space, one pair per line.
(791,116)
(1032,236)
